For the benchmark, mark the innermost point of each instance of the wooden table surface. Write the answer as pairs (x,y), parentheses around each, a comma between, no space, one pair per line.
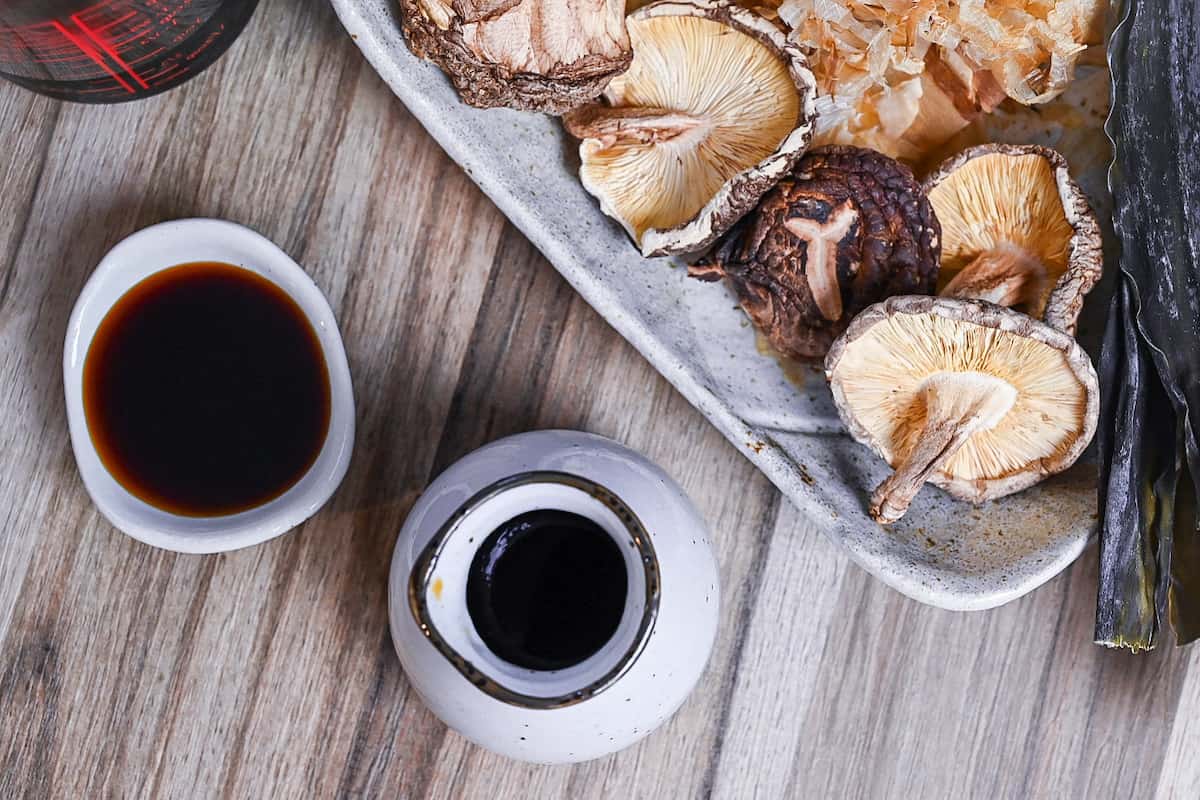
(269,672)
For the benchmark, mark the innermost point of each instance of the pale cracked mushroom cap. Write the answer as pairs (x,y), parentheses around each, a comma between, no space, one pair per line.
(534,55)
(1016,230)
(715,108)
(975,398)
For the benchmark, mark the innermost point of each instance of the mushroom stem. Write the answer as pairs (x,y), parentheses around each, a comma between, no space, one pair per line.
(1007,275)
(629,125)
(821,255)
(957,405)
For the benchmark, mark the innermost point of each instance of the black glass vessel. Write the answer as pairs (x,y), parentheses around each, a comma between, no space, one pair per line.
(110,51)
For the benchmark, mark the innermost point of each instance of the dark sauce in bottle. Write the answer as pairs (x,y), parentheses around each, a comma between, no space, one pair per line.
(547,589)
(205,390)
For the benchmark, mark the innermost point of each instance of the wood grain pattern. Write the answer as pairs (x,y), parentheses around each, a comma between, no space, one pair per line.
(129,672)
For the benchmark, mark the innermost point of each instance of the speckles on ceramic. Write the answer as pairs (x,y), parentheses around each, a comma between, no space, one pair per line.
(697,338)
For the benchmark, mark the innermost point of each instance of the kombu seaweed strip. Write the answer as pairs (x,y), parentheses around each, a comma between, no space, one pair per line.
(1150,365)
(1134,410)
(1184,599)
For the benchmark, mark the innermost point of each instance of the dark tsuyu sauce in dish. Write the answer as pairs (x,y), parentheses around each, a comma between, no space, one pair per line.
(206,391)
(547,589)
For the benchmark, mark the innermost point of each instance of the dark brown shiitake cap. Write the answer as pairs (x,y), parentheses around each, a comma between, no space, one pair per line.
(847,228)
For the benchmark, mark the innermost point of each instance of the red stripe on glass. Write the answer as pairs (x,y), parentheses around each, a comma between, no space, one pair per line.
(91,53)
(110,51)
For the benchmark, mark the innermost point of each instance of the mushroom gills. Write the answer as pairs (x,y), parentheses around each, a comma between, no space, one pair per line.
(999,200)
(957,405)
(713,108)
(658,177)
(1017,230)
(972,397)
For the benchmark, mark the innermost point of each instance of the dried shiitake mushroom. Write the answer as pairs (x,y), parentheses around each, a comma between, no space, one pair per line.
(846,229)
(535,55)
(1016,230)
(715,108)
(975,398)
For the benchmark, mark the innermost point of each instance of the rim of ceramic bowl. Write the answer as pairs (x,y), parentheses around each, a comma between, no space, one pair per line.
(147,252)
(422,576)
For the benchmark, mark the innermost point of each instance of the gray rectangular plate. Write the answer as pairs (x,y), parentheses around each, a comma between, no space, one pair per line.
(944,552)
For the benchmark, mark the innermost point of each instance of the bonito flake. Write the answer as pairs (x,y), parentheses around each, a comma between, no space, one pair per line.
(903,76)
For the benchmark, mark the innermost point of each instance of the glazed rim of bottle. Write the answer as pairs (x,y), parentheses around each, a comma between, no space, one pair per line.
(445,560)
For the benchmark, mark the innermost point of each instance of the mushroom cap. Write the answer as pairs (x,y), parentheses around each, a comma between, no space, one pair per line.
(502,53)
(877,369)
(743,98)
(996,194)
(846,228)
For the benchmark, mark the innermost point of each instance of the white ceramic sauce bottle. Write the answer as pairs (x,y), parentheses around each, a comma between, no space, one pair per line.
(644,671)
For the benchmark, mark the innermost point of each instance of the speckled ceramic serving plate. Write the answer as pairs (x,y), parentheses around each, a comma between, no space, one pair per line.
(944,552)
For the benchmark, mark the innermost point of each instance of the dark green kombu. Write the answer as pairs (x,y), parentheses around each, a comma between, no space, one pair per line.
(1150,367)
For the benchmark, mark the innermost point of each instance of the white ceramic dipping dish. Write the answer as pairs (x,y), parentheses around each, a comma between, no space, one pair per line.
(132,260)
